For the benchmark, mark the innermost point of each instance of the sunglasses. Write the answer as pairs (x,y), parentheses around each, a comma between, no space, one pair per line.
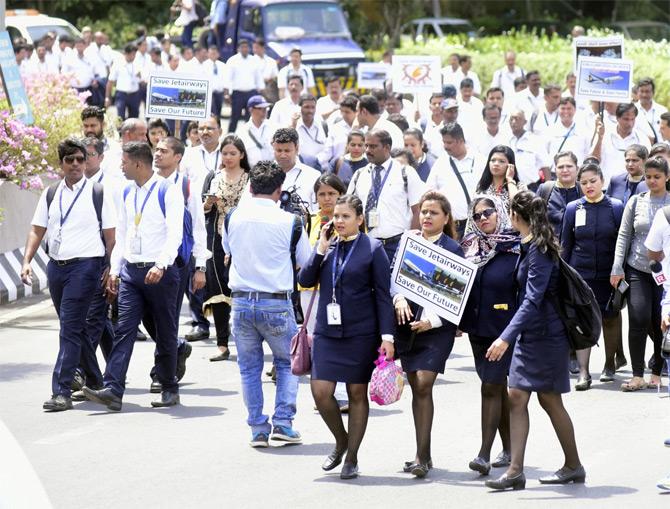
(486,213)
(72,159)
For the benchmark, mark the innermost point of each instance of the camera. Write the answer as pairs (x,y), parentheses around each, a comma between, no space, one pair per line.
(290,201)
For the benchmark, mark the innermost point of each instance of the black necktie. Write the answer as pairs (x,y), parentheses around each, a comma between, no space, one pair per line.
(375,189)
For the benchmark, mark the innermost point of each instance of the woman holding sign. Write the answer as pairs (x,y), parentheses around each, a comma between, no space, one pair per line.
(354,310)
(541,348)
(424,340)
(494,247)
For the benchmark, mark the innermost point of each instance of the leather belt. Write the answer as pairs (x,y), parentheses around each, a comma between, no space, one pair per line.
(141,265)
(261,295)
(390,239)
(61,263)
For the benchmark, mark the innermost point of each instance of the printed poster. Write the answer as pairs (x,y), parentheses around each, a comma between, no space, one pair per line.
(603,47)
(416,73)
(183,97)
(432,277)
(604,79)
(372,75)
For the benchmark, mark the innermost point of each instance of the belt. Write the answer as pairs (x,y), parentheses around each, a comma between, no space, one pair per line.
(141,265)
(261,295)
(390,239)
(66,262)
(460,222)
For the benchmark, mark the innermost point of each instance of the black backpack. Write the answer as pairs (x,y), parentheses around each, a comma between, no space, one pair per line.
(578,308)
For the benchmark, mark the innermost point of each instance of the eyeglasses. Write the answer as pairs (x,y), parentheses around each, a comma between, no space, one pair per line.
(206,128)
(92,154)
(486,213)
(72,159)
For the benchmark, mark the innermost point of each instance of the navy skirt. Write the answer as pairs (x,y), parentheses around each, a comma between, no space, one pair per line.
(428,352)
(490,372)
(349,360)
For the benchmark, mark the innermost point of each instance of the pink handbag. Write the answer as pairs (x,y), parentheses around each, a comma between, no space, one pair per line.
(387,382)
(301,345)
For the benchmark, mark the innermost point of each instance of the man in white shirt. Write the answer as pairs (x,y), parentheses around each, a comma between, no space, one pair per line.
(336,142)
(494,134)
(547,115)
(310,132)
(327,107)
(390,192)
(40,64)
(433,136)
(649,111)
(496,96)
(188,64)
(504,77)
(295,67)
(369,117)
(456,173)
(465,62)
(611,144)
(148,239)
(435,107)
(244,80)
(132,129)
(93,124)
(286,111)
(216,72)
(567,134)
(269,70)
(257,133)
(299,176)
(153,65)
(204,158)
(531,99)
(451,74)
(125,77)
(80,234)
(469,107)
(530,152)
(81,70)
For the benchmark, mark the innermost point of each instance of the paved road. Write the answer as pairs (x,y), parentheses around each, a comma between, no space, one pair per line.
(197,455)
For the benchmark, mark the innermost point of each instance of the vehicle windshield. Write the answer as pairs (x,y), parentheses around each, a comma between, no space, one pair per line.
(653,32)
(308,19)
(37,32)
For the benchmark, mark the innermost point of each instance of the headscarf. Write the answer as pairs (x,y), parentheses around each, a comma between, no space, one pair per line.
(480,247)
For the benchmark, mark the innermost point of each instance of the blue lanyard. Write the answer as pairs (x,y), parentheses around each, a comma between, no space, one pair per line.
(337,272)
(138,217)
(101,176)
(60,203)
(378,192)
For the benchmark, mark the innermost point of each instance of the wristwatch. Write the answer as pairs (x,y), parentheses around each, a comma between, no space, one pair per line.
(201,269)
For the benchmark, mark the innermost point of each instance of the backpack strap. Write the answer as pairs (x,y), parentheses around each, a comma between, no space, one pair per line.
(162,189)
(355,178)
(186,188)
(545,190)
(98,197)
(51,192)
(423,123)
(404,181)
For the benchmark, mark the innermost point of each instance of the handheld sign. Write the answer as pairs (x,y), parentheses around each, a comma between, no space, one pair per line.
(11,81)
(416,73)
(603,47)
(372,75)
(180,97)
(604,79)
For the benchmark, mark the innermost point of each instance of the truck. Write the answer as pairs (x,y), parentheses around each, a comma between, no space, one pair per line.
(318,27)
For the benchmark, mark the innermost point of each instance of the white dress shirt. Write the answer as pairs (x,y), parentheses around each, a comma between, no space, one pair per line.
(160,235)
(268,67)
(80,68)
(576,139)
(470,115)
(443,180)
(544,120)
(529,103)
(303,178)
(262,136)
(485,141)
(244,74)
(336,144)
(312,140)
(302,71)
(504,78)
(613,149)
(649,121)
(397,139)
(451,76)
(125,75)
(48,66)
(80,231)
(530,154)
(282,112)
(111,164)
(216,72)
(198,162)
(258,238)
(113,187)
(325,105)
(394,203)
(98,59)
(151,68)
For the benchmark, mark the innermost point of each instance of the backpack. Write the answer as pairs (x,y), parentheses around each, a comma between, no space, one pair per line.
(201,12)
(98,197)
(578,308)
(187,240)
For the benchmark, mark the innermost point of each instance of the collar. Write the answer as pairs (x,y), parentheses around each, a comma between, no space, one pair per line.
(527,238)
(347,157)
(263,202)
(76,186)
(202,149)
(561,186)
(149,182)
(601,198)
(96,175)
(260,127)
(349,238)
(434,238)
(639,178)
(386,164)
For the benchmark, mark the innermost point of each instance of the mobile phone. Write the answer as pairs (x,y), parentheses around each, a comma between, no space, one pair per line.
(330,230)
(623,286)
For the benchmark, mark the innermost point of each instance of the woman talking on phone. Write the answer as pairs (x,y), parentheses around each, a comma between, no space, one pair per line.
(354,318)
(500,177)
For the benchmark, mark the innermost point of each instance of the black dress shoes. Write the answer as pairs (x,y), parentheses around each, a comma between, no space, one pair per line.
(565,475)
(197,334)
(181,360)
(104,397)
(502,460)
(58,403)
(518,482)
(349,470)
(480,465)
(78,381)
(583,383)
(333,459)
(167,399)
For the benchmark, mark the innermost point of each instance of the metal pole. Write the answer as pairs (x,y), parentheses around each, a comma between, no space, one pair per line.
(3,7)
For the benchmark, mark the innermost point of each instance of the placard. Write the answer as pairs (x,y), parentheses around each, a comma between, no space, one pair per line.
(12,82)
(432,277)
(604,79)
(416,73)
(372,75)
(180,97)
(603,47)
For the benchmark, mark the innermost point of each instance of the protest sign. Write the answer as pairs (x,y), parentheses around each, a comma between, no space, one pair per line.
(604,79)
(432,277)
(416,73)
(372,75)
(603,47)
(183,97)
(11,81)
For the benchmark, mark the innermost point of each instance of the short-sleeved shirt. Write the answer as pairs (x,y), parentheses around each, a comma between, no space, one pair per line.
(125,75)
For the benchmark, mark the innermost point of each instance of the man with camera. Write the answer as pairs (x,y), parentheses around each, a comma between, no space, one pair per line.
(261,240)
(299,176)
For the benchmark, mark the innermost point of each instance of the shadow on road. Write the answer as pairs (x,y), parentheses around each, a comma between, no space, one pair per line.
(176,412)
(322,449)
(19,370)
(578,491)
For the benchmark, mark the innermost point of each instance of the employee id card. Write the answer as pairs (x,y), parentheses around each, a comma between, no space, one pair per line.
(580,217)
(334,314)
(136,245)
(54,246)
(373,218)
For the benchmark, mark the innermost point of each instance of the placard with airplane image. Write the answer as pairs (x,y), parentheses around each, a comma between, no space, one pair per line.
(432,277)
(604,79)
(178,97)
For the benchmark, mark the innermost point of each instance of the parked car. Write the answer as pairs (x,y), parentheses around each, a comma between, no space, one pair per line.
(438,27)
(32,26)
(654,30)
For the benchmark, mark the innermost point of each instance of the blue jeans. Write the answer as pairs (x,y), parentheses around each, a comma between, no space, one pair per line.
(271,320)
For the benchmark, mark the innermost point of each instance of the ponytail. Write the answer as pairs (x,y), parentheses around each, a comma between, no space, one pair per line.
(533,210)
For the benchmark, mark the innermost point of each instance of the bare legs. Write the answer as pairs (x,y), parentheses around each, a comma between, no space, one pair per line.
(422,383)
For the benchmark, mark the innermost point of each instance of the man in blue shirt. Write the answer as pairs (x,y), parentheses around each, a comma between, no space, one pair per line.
(261,240)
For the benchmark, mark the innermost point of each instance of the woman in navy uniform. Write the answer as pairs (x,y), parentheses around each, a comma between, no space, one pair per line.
(588,241)
(494,247)
(423,339)
(355,309)
(540,356)
(558,193)
(415,143)
(623,186)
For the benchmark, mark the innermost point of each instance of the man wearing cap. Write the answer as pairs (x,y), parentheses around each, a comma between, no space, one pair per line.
(257,133)
(295,67)
(433,136)
(244,80)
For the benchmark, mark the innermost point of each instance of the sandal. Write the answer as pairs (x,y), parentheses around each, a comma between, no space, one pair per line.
(632,386)
(654,384)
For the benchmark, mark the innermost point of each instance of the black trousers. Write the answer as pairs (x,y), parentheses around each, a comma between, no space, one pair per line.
(238,105)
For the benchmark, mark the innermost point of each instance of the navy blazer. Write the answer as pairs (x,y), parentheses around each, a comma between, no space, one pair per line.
(589,249)
(537,283)
(558,200)
(404,332)
(363,291)
(492,301)
(622,188)
(423,170)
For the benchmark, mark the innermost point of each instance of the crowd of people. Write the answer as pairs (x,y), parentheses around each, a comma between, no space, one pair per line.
(510,177)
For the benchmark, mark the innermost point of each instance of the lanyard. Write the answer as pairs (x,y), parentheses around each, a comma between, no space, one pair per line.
(546,121)
(295,180)
(314,139)
(216,162)
(565,138)
(60,203)
(138,215)
(338,271)
(614,145)
(377,192)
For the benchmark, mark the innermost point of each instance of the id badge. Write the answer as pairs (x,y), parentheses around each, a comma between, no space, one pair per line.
(136,245)
(580,217)
(373,218)
(334,314)
(54,247)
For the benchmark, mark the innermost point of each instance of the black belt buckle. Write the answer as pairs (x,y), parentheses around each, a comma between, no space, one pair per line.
(63,263)
(143,265)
